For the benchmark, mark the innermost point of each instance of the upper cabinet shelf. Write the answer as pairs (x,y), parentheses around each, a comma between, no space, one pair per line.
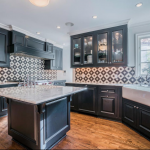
(101,48)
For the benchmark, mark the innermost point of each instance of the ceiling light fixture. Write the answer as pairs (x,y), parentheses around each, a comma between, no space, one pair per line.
(69,24)
(40,3)
(58,27)
(37,32)
(94,17)
(139,5)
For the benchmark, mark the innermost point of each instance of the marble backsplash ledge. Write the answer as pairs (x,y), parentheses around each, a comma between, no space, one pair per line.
(21,66)
(120,75)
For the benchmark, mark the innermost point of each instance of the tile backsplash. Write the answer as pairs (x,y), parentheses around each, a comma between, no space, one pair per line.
(22,66)
(122,75)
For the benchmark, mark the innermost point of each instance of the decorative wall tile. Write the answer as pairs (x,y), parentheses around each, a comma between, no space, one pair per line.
(122,75)
(22,66)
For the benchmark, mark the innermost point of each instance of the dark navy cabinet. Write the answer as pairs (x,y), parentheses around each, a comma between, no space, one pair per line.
(3,104)
(101,48)
(4,55)
(57,63)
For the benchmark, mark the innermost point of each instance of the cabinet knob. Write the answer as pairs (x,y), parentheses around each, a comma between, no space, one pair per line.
(107,95)
(134,106)
(110,62)
(137,107)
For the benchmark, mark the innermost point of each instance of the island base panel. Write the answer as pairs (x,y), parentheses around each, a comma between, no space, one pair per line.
(39,126)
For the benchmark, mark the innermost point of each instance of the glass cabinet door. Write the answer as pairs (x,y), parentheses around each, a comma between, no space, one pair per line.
(88,50)
(102,50)
(117,46)
(77,51)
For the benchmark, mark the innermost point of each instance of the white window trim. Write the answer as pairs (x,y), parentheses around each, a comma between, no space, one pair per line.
(138,52)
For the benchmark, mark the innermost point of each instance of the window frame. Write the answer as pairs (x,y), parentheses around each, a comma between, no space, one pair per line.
(138,38)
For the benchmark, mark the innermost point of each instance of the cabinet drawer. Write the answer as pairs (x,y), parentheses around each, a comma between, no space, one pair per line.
(108,90)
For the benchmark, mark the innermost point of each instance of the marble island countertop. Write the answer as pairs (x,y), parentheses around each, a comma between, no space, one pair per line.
(40,94)
(7,83)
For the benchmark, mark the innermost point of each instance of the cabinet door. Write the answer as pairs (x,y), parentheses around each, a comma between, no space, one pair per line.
(118,55)
(87,101)
(76,51)
(35,44)
(74,102)
(57,63)
(88,50)
(143,120)
(49,47)
(18,38)
(107,105)
(3,106)
(129,113)
(102,48)
(4,55)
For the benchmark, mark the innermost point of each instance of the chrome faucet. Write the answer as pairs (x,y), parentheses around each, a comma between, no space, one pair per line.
(29,82)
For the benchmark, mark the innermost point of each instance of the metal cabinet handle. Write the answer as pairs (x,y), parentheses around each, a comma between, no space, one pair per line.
(110,62)
(137,107)
(107,90)
(81,64)
(107,95)
(134,106)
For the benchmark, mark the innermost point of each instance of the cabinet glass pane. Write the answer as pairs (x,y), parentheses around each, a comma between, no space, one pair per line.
(88,50)
(117,47)
(77,51)
(102,48)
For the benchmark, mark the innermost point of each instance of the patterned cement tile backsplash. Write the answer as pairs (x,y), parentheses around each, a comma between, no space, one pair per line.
(122,75)
(22,66)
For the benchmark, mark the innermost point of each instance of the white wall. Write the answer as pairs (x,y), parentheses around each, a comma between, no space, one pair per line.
(66,65)
(132,30)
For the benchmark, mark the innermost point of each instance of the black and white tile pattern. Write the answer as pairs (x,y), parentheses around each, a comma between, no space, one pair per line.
(121,75)
(22,66)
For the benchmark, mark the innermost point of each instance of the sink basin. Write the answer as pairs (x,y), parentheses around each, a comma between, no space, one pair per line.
(140,94)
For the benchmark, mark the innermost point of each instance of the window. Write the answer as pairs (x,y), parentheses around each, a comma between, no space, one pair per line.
(143,54)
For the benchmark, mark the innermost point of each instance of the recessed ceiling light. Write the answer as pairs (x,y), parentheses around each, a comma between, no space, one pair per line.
(58,27)
(139,5)
(94,17)
(37,32)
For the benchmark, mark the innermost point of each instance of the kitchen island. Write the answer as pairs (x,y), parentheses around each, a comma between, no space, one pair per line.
(38,118)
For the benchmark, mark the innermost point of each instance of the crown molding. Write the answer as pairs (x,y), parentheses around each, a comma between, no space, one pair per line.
(123,22)
(139,24)
(57,45)
(5,26)
(50,41)
(12,27)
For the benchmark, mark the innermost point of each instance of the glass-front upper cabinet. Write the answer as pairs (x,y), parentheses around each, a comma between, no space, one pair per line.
(102,48)
(117,46)
(88,50)
(76,49)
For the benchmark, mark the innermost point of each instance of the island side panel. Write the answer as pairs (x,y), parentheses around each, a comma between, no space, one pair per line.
(39,126)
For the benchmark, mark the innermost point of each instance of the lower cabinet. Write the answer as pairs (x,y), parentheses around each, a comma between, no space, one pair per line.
(74,102)
(87,101)
(3,107)
(137,116)
(107,105)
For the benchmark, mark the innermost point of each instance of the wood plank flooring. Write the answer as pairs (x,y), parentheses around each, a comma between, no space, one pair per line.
(87,132)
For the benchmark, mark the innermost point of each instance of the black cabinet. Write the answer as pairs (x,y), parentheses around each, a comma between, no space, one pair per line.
(107,105)
(74,102)
(87,101)
(107,47)
(3,107)
(57,63)
(110,102)
(129,113)
(4,55)
(137,115)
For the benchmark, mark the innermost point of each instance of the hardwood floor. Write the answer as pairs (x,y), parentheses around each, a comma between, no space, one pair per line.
(87,132)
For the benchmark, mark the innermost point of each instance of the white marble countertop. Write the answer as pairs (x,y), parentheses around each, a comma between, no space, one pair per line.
(7,83)
(109,84)
(40,94)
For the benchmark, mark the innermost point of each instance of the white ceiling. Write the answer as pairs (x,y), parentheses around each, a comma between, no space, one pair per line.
(23,14)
